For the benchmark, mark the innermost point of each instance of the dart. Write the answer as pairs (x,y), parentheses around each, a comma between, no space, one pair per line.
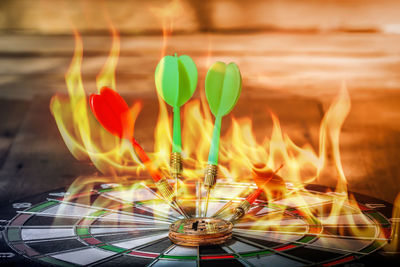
(114,115)
(176,81)
(223,86)
(262,179)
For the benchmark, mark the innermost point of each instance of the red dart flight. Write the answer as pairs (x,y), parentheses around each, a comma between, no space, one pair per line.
(114,115)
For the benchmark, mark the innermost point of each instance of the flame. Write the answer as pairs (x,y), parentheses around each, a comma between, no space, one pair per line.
(167,14)
(394,243)
(240,151)
(83,135)
(106,76)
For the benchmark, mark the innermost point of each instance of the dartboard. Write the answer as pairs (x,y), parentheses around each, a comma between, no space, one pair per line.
(121,225)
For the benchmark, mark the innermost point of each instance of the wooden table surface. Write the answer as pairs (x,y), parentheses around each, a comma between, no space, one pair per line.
(295,75)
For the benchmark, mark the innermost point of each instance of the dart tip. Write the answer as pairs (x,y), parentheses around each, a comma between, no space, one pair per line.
(182,211)
(207,200)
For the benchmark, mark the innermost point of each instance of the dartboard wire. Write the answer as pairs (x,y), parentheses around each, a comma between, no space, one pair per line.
(316,217)
(111,210)
(33,241)
(51,254)
(38,240)
(377,233)
(118,254)
(141,207)
(161,254)
(312,245)
(281,208)
(134,204)
(138,237)
(285,208)
(90,226)
(319,235)
(136,248)
(79,217)
(273,250)
(222,209)
(167,202)
(238,256)
(283,241)
(127,227)
(94,246)
(198,199)
(198,256)
(122,240)
(101,208)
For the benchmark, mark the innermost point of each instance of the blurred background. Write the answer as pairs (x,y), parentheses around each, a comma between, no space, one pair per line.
(294,57)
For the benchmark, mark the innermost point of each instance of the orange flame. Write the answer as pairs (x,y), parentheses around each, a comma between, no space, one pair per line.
(82,134)
(240,151)
(106,77)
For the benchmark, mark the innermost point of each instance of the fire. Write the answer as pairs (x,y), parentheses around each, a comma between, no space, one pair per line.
(240,151)
(82,134)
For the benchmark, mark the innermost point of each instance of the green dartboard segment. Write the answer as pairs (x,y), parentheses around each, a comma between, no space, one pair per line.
(176,81)
(223,86)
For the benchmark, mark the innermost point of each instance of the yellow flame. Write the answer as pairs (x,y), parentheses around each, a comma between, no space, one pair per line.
(106,77)
(394,243)
(82,134)
(240,151)
(167,14)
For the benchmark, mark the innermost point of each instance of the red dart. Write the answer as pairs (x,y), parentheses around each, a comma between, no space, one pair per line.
(261,178)
(111,110)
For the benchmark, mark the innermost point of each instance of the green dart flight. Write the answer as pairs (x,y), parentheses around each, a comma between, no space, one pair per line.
(223,86)
(176,81)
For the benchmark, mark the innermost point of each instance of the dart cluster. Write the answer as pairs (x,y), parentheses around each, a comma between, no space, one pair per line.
(176,81)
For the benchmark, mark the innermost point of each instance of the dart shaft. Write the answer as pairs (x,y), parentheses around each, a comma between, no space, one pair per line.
(214,147)
(154,173)
(176,131)
(161,182)
(222,209)
(182,211)
(168,194)
(207,200)
(245,205)
(176,158)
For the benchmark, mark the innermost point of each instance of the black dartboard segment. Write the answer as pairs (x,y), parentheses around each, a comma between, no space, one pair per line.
(117,225)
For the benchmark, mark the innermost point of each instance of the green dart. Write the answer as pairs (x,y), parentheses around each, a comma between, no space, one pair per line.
(223,87)
(176,81)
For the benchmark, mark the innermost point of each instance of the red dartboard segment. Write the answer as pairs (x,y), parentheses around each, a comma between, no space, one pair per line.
(285,247)
(340,261)
(143,254)
(217,257)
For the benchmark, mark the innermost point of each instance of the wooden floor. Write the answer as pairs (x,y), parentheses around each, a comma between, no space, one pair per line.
(295,75)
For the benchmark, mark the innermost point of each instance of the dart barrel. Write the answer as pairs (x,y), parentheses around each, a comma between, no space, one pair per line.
(165,189)
(210,176)
(241,210)
(176,164)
